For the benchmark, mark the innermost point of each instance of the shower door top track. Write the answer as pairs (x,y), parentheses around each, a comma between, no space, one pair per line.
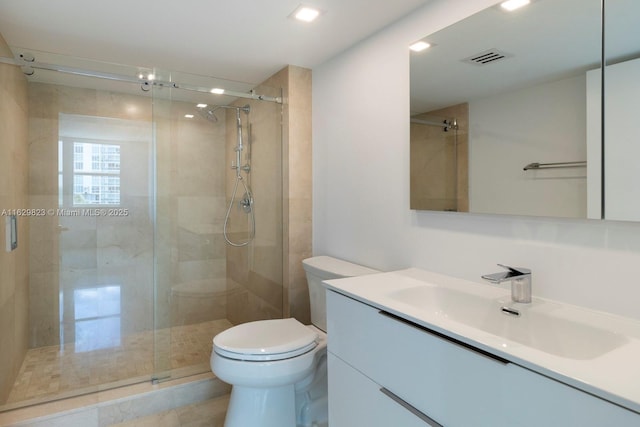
(145,82)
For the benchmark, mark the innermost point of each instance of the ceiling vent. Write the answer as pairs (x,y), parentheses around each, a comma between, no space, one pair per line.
(487,57)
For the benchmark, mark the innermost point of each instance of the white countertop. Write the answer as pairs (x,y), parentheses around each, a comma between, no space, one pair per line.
(613,375)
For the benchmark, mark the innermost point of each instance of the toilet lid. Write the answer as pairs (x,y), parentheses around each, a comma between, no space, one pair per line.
(263,340)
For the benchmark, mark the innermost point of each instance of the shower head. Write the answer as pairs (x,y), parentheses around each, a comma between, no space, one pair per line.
(208,113)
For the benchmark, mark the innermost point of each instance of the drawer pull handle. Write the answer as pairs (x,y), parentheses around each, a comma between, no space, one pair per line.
(427,419)
(446,338)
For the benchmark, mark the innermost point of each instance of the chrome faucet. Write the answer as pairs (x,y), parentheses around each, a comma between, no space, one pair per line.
(520,282)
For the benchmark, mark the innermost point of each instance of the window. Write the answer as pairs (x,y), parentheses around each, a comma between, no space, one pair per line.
(96,173)
(91,152)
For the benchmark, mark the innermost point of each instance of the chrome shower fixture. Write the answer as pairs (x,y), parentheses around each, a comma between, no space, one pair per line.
(446,124)
(246,202)
(450,124)
(27,57)
(208,111)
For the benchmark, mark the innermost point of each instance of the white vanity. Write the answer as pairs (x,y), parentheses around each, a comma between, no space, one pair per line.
(414,348)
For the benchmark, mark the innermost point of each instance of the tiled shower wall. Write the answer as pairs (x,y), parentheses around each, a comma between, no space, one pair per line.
(266,278)
(190,248)
(254,271)
(296,84)
(14,273)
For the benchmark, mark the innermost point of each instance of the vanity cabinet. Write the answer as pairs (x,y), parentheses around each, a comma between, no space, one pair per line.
(385,370)
(360,402)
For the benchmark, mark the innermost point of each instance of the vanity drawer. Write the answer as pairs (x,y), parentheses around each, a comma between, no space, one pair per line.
(451,382)
(355,400)
(435,376)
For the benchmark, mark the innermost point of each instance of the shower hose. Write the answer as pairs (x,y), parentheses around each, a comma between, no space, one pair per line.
(247,205)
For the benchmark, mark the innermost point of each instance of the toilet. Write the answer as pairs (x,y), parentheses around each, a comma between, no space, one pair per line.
(278,368)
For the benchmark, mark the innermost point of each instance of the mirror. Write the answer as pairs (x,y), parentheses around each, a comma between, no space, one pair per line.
(505,113)
(621,106)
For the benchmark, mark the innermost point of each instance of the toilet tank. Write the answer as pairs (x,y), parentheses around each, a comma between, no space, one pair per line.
(321,268)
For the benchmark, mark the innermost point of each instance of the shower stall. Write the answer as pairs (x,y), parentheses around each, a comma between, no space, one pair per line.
(155,203)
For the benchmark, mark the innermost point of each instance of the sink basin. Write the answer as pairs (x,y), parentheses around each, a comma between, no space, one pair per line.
(540,325)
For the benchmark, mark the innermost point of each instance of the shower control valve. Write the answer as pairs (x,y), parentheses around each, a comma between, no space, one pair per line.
(245,168)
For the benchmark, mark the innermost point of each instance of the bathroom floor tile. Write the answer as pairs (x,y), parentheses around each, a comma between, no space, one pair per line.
(54,372)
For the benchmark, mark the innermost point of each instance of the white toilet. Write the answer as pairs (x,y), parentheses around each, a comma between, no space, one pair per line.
(278,368)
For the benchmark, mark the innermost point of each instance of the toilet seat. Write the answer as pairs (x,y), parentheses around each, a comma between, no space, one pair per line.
(266,340)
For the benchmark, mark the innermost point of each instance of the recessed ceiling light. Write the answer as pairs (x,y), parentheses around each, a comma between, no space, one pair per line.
(305,13)
(217,91)
(201,105)
(419,46)
(189,116)
(146,75)
(511,5)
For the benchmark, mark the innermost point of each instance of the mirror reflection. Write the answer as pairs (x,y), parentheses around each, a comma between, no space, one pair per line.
(621,106)
(500,113)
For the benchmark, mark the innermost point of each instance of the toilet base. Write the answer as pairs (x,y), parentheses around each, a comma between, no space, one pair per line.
(261,407)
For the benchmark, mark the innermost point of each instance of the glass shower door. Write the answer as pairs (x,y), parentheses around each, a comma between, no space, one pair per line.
(129,273)
(203,284)
(91,256)
(106,244)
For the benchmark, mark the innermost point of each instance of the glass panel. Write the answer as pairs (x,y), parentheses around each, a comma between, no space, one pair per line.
(91,270)
(204,284)
(131,261)
(105,255)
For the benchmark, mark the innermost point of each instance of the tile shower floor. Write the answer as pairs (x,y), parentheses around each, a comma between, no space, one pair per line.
(55,372)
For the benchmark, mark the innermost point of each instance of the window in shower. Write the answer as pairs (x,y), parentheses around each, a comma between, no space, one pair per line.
(97,318)
(96,173)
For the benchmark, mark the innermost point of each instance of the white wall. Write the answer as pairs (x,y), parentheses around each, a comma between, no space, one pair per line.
(622,152)
(361,188)
(545,123)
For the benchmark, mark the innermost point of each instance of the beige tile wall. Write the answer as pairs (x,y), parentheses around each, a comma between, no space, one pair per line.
(254,272)
(190,173)
(268,279)
(14,273)
(298,194)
